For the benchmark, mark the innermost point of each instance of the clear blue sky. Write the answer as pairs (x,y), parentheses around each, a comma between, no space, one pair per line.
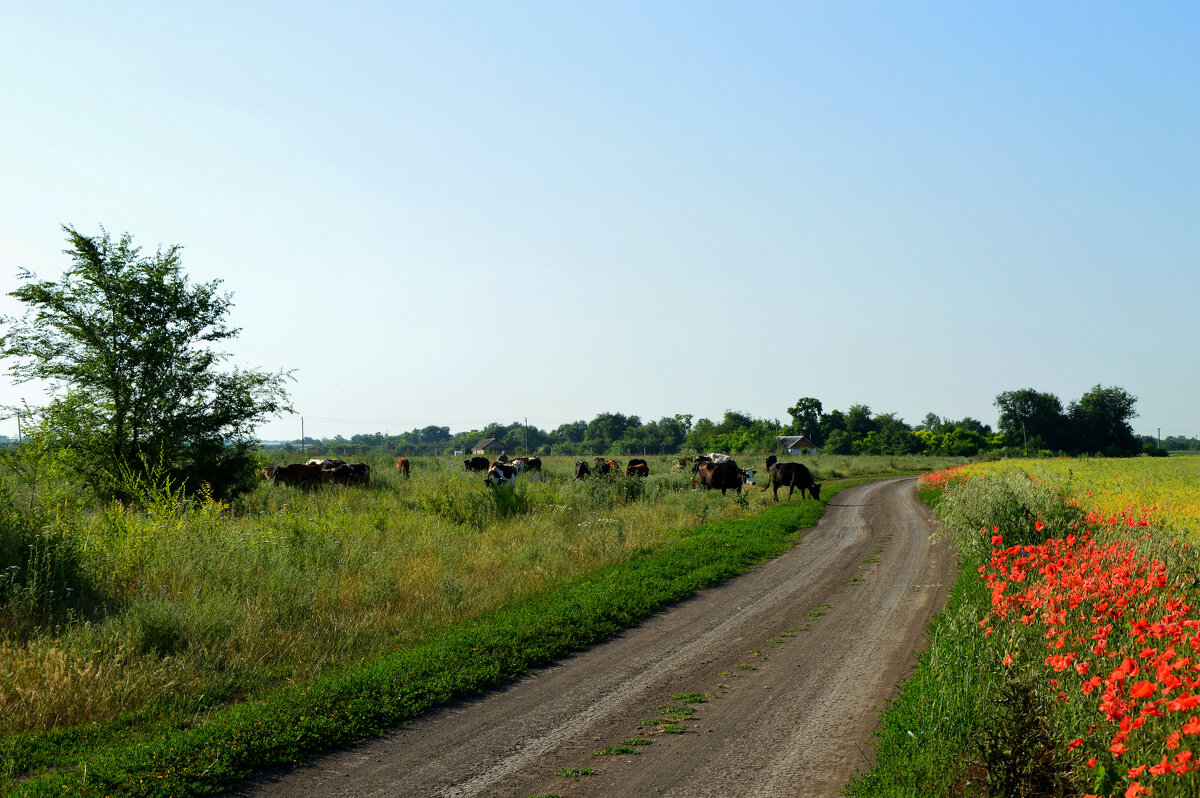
(456,213)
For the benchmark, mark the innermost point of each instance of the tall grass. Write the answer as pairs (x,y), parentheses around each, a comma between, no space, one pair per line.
(170,608)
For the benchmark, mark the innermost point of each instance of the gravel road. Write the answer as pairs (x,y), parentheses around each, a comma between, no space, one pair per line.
(793,659)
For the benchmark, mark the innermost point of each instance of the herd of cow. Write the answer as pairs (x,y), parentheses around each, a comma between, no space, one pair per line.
(319,472)
(714,471)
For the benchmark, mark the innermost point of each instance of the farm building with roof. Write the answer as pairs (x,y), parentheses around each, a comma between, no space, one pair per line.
(488,446)
(796,444)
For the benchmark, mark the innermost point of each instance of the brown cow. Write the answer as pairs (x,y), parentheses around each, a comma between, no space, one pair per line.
(477,464)
(582,470)
(637,468)
(719,476)
(402,466)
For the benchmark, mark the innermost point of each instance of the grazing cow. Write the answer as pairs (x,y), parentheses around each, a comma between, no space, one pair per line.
(326,463)
(529,463)
(719,476)
(500,474)
(360,474)
(717,457)
(402,465)
(298,475)
(582,470)
(607,466)
(477,464)
(637,468)
(791,475)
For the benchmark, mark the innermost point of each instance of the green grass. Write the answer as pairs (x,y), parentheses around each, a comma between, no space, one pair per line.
(346,703)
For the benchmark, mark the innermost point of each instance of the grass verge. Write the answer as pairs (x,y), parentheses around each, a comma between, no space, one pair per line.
(352,704)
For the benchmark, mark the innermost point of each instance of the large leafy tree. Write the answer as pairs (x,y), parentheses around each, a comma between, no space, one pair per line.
(806,418)
(126,343)
(1100,419)
(1032,419)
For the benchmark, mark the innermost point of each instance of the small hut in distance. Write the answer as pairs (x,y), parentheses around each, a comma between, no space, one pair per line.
(795,444)
(489,447)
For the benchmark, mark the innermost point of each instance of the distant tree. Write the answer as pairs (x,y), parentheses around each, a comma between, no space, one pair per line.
(806,418)
(831,422)
(701,436)
(839,442)
(859,422)
(931,422)
(571,432)
(126,344)
(1033,420)
(1100,421)
(606,429)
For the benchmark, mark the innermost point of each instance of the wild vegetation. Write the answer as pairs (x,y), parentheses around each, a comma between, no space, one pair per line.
(124,621)
(1066,661)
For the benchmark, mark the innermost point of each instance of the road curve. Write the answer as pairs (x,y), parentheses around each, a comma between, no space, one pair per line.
(794,658)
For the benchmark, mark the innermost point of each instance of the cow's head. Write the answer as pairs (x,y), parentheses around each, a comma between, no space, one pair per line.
(815,490)
(748,475)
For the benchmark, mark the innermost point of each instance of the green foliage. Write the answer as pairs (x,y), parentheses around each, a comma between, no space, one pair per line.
(127,341)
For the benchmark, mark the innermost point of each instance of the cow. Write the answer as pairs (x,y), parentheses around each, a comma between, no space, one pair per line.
(402,465)
(748,475)
(326,463)
(607,466)
(477,464)
(529,463)
(791,475)
(582,470)
(717,457)
(298,475)
(500,474)
(360,474)
(637,468)
(719,476)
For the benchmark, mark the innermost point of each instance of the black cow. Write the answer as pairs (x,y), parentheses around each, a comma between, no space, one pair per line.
(582,470)
(719,476)
(477,464)
(791,475)
(298,475)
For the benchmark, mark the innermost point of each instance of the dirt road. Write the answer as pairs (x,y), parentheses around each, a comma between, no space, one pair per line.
(792,659)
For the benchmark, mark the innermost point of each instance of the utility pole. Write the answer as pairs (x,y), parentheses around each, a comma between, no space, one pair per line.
(526,434)
(302,449)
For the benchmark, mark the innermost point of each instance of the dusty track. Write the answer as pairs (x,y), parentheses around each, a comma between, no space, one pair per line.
(793,719)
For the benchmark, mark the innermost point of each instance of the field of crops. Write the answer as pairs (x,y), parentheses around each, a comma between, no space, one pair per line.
(1069,660)
(1166,487)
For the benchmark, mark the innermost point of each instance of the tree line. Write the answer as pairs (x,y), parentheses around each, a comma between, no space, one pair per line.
(1031,423)
(128,346)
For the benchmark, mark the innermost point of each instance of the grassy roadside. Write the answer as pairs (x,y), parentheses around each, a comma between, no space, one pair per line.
(350,704)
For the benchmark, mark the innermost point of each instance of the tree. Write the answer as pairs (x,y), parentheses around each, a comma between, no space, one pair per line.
(806,418)
(1100,421)
(125,342)
(1032,420)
